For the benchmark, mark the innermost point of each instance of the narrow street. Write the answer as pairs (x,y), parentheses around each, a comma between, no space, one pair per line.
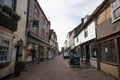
(58,69)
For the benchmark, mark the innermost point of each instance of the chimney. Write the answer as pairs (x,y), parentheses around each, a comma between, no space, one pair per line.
(82,20)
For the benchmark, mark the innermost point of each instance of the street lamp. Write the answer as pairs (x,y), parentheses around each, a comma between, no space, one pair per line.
(18,45)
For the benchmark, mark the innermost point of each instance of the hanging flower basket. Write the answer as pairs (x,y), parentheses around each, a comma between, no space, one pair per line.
(7,10)
(11,13)
(15,16)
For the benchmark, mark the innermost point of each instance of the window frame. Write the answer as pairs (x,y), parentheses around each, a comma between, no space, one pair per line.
(106,51)
(113,11)
(6,43)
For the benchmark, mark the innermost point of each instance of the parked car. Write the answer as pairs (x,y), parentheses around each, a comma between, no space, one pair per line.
(65,55)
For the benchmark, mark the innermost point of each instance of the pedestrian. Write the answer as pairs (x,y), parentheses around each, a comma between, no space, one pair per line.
(78,58)
(71,59)
(75,58)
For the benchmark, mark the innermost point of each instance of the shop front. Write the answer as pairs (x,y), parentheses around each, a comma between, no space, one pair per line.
(109,49)
(37,48)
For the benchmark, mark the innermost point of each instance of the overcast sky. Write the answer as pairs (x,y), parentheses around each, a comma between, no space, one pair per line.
(65,15)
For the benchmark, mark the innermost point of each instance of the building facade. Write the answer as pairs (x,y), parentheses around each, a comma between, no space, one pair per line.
(38,27)
(53,44)
(71,41)
(86,42)
(99,38)
(108,36)
(8,25)
(33,31)
(77,39)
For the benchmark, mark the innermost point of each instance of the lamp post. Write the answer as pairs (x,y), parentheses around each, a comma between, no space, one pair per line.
(18,45)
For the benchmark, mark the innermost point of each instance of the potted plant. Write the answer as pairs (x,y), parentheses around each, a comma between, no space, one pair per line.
(19,66)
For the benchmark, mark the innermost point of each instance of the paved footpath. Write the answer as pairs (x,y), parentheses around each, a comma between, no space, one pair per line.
(58,69)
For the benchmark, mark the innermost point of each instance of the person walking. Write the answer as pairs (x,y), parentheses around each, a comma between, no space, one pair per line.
(71,59)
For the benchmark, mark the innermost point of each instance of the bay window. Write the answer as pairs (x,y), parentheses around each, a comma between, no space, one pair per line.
(4,50)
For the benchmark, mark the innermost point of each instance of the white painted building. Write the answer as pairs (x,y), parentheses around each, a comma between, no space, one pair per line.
(91,34)
(85,40)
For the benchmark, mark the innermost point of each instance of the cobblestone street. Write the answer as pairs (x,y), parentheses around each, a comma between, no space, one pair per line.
(58,69)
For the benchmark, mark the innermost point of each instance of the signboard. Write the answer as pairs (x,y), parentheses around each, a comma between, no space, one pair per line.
(28,52)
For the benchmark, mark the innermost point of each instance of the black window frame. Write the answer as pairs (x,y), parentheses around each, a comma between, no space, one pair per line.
(108,51)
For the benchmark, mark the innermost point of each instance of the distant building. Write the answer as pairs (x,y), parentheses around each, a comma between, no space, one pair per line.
(53,51)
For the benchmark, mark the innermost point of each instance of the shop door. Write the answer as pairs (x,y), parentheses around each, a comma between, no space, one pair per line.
(87,54)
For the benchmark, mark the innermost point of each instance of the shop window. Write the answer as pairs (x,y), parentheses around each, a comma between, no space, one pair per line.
(93,52)
(4,50)
(108,51)
(116,10)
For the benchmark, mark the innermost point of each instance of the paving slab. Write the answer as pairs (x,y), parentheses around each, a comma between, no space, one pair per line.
(59,69)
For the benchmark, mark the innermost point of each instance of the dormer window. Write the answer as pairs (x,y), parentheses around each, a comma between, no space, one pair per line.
(116,10)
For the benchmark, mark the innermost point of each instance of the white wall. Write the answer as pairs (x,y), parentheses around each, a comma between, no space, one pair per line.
(91,34)
(93,63)
(22,11)
(20,33)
